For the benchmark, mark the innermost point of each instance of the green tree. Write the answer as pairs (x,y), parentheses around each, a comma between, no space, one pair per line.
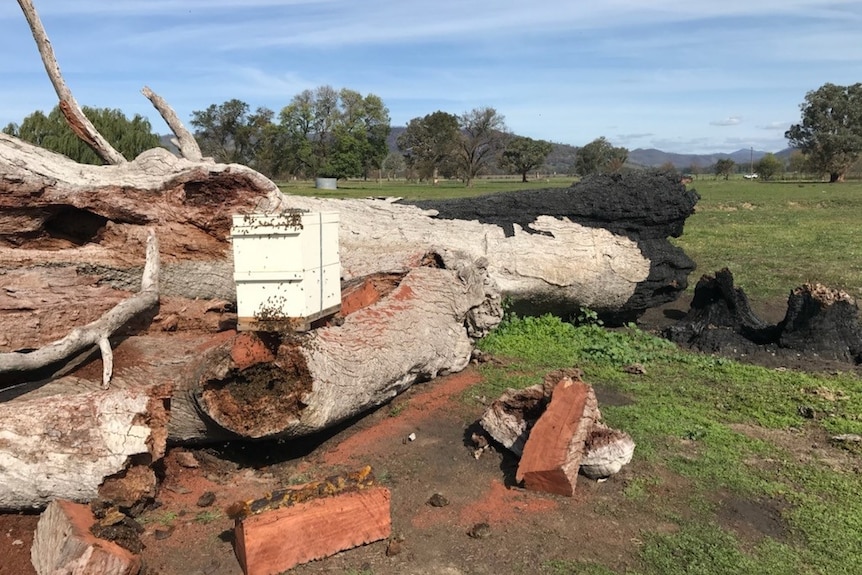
(429,144)
(797,163)
(523,155)
(599,156)
(768,166)
(129,137)
(393,165)
(830,133)
(336,134)
(724,167)
(227,131)
(483,138)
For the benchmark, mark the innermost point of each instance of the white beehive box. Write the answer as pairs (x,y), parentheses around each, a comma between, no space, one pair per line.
(287,269)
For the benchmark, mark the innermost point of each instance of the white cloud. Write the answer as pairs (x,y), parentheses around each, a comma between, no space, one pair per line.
(782,126)
(730,121)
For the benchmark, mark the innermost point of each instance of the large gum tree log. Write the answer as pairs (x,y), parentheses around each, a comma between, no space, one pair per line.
(265,386)
(601,243)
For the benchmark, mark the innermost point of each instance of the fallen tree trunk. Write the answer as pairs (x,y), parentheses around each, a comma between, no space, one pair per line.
(62,441)
(260,385)
(551,253)
(95,333)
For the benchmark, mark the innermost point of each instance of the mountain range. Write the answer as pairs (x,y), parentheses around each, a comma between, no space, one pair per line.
(561,160)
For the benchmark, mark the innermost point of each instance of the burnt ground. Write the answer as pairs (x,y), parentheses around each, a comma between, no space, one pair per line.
(525,530)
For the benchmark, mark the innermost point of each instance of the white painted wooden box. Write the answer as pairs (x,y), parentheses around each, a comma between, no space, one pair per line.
(287,269)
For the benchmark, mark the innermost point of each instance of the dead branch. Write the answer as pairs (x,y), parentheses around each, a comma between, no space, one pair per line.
(184,140)
(97,332)
(75,117)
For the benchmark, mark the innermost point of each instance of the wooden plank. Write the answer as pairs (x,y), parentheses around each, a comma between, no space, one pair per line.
(553,451)
(278,540)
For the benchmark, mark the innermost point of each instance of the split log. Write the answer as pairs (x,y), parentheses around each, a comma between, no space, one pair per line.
(55,213)
(62,441)
(63,544)
(553,451)
(819,320)
(278,540)
(510,420)
(259,385)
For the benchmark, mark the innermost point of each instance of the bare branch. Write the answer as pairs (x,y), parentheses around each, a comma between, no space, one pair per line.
(97,332)
(75,117)
(186,143)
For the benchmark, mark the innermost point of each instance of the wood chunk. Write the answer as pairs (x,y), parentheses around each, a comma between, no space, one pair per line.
(278,540)
(63,544)
(552,454)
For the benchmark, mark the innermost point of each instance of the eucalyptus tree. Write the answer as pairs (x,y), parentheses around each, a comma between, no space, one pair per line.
(331,133)
(483,138)
(523,155)
(599,156)
(429,144)
(830,133)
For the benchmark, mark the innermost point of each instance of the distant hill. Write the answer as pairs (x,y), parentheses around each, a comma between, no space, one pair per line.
(562,157)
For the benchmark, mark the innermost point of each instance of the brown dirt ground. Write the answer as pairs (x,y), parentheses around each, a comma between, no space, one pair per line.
(526,529)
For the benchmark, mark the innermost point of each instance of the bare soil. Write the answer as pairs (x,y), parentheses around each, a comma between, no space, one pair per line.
(524,529)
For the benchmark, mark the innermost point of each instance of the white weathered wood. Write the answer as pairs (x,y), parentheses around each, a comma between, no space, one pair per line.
(62,443)
(185,142)
(417,332)
(97,332)
(75,117)
(587,265)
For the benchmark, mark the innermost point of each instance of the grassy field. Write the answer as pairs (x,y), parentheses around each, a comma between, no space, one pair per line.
(423,190)
(725,431)
(776,236)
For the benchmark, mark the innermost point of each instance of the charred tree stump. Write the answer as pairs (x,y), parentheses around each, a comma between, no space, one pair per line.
(819,320)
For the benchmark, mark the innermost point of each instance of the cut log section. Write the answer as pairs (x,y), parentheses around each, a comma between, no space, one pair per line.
(63,544)
(552,454)
(511,421)
(277,540)
(272,385)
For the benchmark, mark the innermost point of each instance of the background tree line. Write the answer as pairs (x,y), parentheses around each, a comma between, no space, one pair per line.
(341,133)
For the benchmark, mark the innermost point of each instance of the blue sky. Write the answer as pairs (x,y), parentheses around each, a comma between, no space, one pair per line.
(687,76)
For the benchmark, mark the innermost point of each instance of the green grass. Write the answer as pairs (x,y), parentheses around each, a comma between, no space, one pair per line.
(422,190)
(777,236)
(685,415)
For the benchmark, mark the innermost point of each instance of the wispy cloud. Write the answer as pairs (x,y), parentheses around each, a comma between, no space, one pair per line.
(775,126)
(729,121)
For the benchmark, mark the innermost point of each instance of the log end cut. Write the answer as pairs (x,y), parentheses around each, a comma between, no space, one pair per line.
(278,540)
(63,544)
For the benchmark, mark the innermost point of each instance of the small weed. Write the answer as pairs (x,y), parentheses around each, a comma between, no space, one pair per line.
(166,518)
(395,409)
(209,516)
